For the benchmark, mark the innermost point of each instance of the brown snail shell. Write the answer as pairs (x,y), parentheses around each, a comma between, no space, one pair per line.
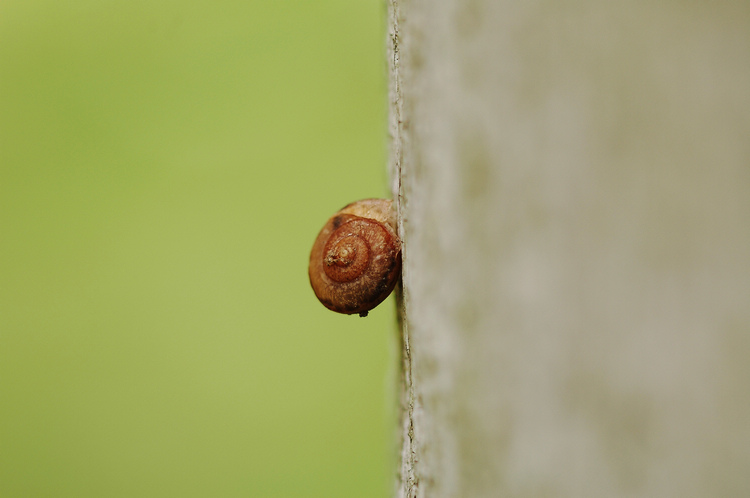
(356,260)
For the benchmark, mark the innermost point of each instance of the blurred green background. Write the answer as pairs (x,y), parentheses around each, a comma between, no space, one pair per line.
(164,169)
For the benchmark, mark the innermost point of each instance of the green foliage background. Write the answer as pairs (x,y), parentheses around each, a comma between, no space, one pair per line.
(164,168)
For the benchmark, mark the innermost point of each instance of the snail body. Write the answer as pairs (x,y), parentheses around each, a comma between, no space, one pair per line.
(355,261)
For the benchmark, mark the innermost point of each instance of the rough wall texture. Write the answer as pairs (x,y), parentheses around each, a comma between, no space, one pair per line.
(574,186)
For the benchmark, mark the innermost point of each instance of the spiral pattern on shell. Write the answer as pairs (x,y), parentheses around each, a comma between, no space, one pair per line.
(356,260)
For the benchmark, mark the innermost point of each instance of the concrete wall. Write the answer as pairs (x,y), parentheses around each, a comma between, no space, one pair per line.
(574,189)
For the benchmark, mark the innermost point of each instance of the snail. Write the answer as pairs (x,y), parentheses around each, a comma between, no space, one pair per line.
(356,260)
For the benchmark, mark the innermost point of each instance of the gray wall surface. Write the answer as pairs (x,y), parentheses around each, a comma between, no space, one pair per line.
(573,180)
